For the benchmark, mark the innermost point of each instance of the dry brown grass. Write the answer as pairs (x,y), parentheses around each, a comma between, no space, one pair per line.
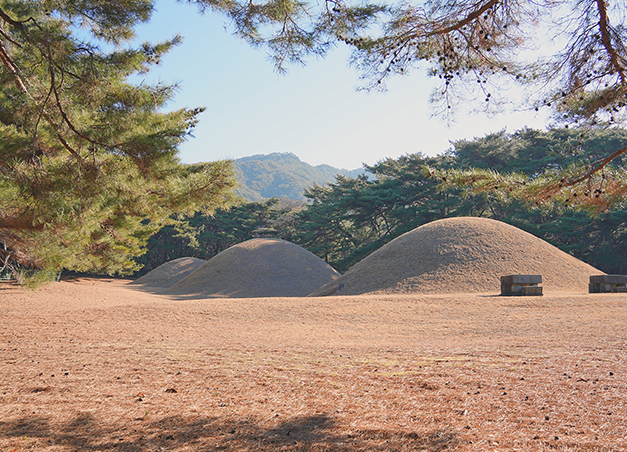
(98,365)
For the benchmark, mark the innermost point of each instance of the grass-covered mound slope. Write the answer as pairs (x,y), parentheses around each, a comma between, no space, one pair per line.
(258,268)
(461,255)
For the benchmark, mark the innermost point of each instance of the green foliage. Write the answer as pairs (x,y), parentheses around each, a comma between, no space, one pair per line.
(474,47)
(88,163)
(293,29)
(532,151)
(549,168)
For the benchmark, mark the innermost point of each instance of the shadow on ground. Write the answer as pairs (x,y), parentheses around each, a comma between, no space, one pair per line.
(320,432)
(163,291)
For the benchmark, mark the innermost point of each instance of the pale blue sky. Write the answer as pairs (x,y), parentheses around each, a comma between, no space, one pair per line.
(314,111)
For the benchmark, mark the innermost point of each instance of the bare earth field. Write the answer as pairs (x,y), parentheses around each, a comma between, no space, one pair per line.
(99,365)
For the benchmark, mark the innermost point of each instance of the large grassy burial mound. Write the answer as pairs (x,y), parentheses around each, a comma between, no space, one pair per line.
(461,255)
(168,274)
(258,268)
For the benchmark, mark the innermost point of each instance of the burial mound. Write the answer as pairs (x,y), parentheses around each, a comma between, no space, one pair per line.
(258,268)
(168,274)
(461,255)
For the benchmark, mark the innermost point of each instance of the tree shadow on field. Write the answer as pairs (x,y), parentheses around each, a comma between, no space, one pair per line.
(319,432)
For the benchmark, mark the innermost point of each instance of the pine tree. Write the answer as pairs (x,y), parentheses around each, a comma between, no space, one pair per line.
(88,161)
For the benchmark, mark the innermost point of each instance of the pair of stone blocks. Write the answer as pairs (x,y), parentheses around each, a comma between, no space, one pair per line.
(521,285)
(528,284)
(608,284)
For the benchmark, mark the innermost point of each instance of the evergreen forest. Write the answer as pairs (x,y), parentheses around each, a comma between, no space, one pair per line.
(344,221)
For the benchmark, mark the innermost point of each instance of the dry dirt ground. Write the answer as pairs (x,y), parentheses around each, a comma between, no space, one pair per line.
(99,365)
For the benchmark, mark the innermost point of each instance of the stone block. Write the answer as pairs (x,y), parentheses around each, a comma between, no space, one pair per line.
(521,285)
(608,284)
(608,279)
(531,290)
(521,279)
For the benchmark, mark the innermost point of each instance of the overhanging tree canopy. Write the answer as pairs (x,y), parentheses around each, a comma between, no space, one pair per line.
(476,48)
(570,52)
(88,161)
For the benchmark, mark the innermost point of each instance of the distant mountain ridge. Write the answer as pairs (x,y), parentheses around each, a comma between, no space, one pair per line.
(281,175)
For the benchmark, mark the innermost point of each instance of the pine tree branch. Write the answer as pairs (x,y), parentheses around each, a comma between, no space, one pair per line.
(604,28)
(8,38)
(10,65)
(13,69)
(594,170)
(457,25)
(64,115)
(19,24)
(468,19)
(15,225)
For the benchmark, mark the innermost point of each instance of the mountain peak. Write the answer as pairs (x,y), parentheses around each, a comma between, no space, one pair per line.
(281,175)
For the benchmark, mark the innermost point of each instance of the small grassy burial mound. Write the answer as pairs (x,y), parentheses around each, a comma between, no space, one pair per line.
(258,268)
(461,255)
(168,274)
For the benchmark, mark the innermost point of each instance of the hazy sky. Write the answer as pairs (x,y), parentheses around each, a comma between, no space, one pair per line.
(315,112)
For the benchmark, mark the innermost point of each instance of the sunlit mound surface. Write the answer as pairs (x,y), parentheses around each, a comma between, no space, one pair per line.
(461,255)
(168,274)
(258,268)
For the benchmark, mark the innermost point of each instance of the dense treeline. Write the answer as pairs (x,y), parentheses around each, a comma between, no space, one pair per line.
(344,221)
